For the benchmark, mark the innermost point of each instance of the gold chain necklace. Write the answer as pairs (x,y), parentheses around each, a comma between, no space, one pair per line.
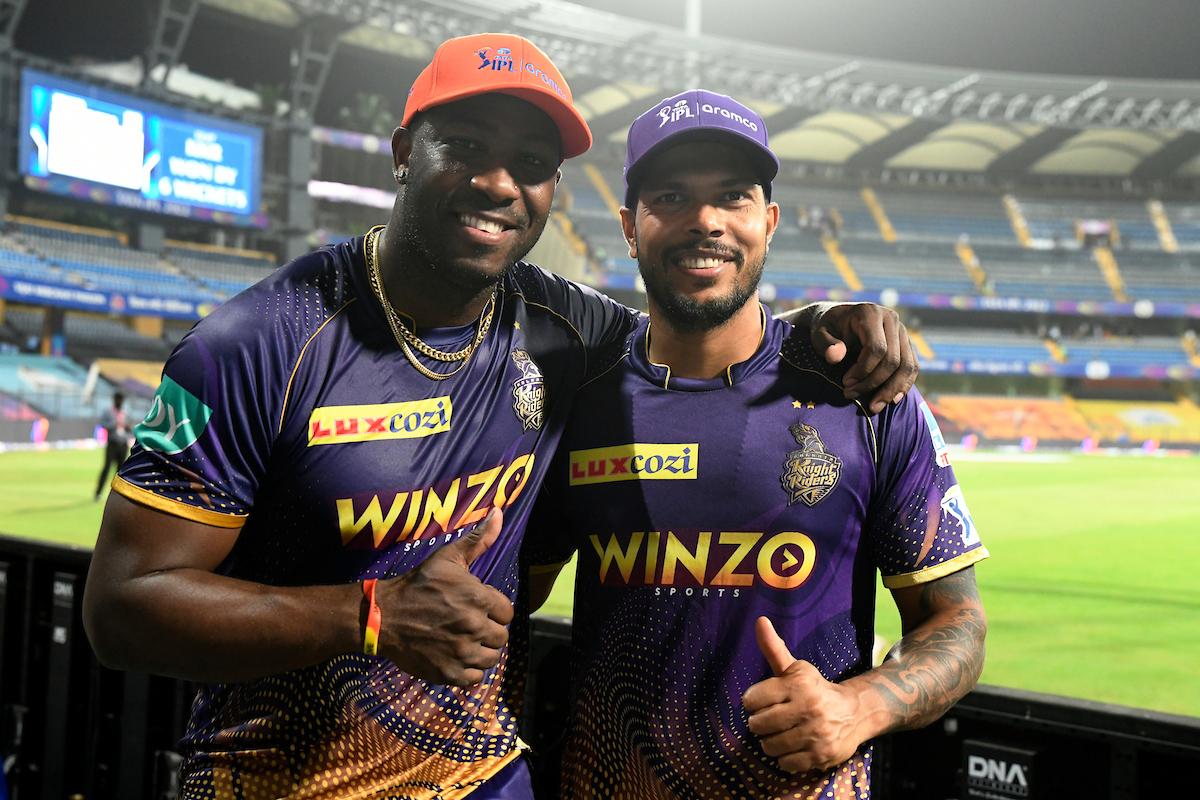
(408,340)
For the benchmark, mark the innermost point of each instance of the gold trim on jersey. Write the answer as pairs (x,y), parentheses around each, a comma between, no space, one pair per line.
(959,562)
(288,391)
(518,293)
(176,508)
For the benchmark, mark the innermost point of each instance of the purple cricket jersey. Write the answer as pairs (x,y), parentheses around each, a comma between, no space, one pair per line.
(697,506)
(292,414)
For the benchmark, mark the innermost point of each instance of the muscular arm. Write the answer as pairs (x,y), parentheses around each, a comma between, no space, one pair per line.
(936,662)
(153,603)
(810,723)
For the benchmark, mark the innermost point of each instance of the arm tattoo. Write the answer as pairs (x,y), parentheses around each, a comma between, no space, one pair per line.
(938,661)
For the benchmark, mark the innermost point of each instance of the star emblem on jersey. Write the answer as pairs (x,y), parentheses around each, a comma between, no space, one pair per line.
(811,472)
(529,392)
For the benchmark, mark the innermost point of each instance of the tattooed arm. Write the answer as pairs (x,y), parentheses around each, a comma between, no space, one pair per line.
(809,723)
(940,656)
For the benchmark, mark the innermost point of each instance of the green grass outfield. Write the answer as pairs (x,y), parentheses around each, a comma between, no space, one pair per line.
(1092,589)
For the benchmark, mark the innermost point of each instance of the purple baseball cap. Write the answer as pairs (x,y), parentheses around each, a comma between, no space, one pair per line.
(696,114)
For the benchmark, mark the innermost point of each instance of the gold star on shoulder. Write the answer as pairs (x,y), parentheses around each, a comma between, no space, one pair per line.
(798,404)
(516,326)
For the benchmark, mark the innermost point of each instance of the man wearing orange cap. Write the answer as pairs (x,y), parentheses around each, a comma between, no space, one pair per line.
(321,518)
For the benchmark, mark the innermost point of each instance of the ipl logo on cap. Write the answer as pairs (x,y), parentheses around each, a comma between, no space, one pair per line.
(501,60)
(675,113)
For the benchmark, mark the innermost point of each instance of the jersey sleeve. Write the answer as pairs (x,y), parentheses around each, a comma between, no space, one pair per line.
(919,526)
(600,322)
(202,450)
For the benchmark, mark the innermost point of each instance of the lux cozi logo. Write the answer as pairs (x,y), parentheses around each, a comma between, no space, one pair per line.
(425,512)
(409,420)
(719,561)
(637,461)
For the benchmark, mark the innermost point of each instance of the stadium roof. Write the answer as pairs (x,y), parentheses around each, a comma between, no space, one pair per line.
(858,114)
(861,114)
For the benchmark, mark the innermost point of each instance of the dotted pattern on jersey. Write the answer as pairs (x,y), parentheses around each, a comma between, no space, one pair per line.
(291,305)
(798,351)
(687,745)
(911,533)
(354,726)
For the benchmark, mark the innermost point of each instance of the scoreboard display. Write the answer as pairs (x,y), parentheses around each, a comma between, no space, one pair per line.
(104,146)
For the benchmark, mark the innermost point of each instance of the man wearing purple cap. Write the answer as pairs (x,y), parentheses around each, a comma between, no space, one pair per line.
(730,509)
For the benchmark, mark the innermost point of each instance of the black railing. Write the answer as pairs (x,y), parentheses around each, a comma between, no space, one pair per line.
(71,727)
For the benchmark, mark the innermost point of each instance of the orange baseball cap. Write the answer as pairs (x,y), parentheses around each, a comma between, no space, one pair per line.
(505,63)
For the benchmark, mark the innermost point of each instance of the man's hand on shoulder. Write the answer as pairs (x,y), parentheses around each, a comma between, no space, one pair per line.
(885,366)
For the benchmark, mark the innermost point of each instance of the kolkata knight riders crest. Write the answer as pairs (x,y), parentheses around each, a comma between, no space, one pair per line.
(529,392)
(811,472)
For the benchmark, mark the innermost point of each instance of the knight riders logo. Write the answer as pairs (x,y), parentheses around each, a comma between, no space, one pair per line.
(811,472)
(529,392)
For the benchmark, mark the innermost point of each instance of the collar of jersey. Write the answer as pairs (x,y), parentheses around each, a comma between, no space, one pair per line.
(660,374)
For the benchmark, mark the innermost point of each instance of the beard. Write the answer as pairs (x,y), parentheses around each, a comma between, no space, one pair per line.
(421,238)
(688,315)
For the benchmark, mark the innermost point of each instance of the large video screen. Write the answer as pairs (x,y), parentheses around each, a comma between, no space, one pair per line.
(104,146)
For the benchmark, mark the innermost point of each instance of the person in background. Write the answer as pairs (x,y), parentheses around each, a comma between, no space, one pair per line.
(117,439)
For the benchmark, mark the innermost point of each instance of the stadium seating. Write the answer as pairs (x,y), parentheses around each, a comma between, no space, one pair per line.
(51,385)
(908,266)
(89,337)
(92,259)
(224,272)
(990,344)
(1134,421)
(1162,277)
(135,378)
(1185,223)
(1049,218)
(1145,350)
(13,409)
(1068,420)
(101,260)
(1011,418)
(946,216)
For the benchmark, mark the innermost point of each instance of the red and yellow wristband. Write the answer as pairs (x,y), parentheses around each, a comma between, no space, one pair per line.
(373,617)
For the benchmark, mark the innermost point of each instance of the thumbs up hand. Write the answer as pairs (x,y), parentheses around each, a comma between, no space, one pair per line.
(442,623)
(801,719)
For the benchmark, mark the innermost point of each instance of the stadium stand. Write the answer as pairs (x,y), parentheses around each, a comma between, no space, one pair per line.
(1068,420)
(225,272)
(50,385)
(135,378)
(1133,351)
(1125,421)
(947,216)
(1011,418)
(908,266)
(98,259)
